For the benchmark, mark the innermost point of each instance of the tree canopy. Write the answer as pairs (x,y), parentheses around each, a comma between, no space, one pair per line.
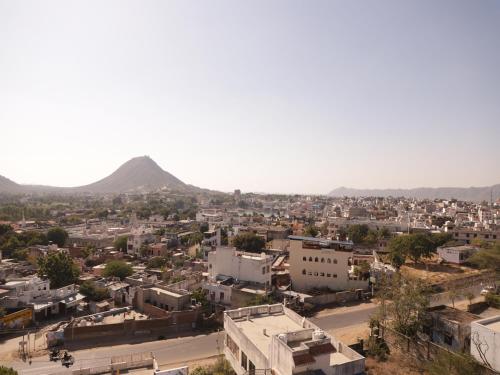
(7,371)
(120,244)
(487,257)
(249,242)
(414,246)
(311,231)
(93,292)
(57,235)
(409,302)
(117,268)
(59,268)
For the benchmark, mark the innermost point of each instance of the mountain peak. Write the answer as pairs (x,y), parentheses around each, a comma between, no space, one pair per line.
(139,173)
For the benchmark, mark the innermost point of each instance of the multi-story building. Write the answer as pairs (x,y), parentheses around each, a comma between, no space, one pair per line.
(137,239)
(211,239)
(274,339)
(235,276)
(468,234)
(317,263)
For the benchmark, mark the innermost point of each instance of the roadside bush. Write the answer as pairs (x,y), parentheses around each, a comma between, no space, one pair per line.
(493,300)
(7,371)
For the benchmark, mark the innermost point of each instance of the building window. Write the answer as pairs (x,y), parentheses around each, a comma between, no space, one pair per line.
(322,274)
(210,265)
(251,368)
(304,259)
(335,261)
(263,270)
(316,259)
(322,260)
(244,360)
(448,339)
(315,274)
(328,275)
(309,273)
(267,269)
(310,259)
(334,275)
(304,272)
(232,345)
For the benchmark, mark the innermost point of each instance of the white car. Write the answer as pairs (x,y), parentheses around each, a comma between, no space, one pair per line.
(486,290)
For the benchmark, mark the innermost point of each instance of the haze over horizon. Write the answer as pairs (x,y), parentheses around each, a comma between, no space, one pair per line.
(277,96)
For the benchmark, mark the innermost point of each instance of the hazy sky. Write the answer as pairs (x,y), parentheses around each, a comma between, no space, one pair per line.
(276,96)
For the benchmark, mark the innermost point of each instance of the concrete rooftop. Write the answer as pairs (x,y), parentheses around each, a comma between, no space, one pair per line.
(273,324)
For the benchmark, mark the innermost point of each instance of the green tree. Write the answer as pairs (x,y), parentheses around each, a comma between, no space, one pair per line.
(57,235)
(117,268)
(357,233)
(414,246)
(249,242)
(120,244)
(5,228)
(59,268)
(420,246)
(20,254)
(410,299)
(7,371)
(93,292)
(311,231)
(488,258)
(440,239)
(157,262)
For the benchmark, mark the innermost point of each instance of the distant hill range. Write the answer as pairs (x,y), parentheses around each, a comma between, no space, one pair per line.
(476,194)
(137,174)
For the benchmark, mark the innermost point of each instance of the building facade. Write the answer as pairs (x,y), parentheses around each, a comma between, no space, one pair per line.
(317,263)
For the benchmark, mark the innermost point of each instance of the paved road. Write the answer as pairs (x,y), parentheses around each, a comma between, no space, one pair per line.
(344,319)
(166,352)
(172,351)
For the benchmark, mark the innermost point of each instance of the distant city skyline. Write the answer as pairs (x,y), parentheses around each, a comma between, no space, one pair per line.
(280,96)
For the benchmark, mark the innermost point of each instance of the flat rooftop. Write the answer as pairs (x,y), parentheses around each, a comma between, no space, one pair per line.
(163,291)
(494,326)
(274,324)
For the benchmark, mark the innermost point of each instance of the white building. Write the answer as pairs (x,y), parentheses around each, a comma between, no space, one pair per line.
(36,292)
(236,275)
(456,254)
(317,263)
(138,238)
(485,341)
(211,239)
(274,339)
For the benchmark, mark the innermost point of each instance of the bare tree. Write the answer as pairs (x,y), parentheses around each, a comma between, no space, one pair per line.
(481,346)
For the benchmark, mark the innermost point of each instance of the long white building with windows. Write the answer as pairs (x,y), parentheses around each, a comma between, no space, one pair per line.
(317,263)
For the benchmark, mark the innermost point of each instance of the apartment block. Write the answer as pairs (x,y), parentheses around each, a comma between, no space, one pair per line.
(274,339)
(317,263)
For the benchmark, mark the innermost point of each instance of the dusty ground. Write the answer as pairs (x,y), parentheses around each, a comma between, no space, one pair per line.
(396,364)
(351,334)
(436,273)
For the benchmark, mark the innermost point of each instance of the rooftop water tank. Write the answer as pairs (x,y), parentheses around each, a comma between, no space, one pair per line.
(318,334)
